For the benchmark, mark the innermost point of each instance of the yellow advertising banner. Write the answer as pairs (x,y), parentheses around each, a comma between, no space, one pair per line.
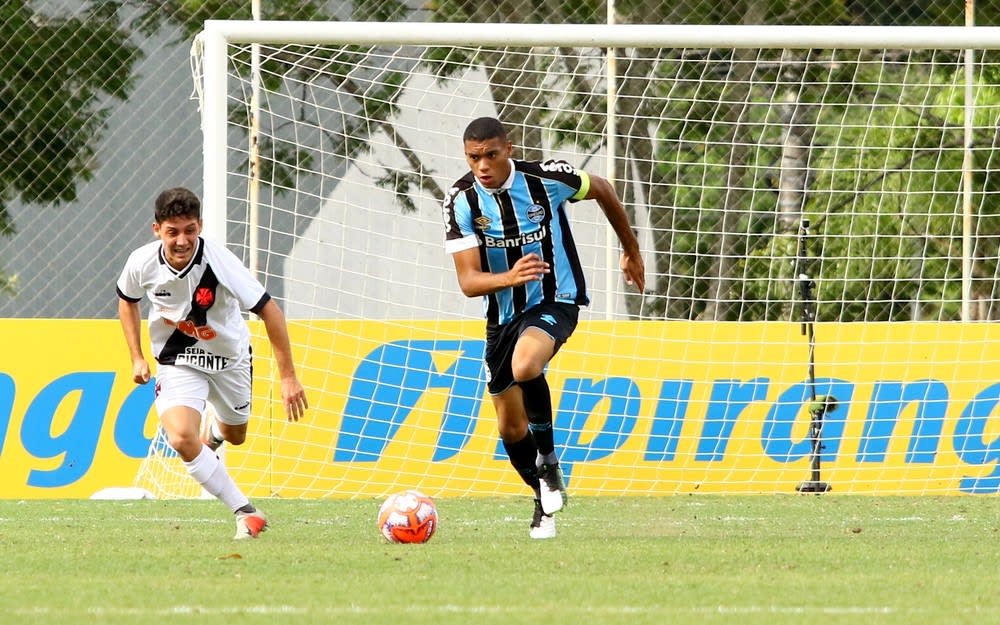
(640,408)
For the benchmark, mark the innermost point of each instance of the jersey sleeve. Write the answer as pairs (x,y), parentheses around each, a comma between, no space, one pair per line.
(581,193)
(128,286)
(576,182)
(457,214)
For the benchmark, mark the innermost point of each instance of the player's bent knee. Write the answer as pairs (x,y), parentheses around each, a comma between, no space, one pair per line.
(187,447)
(512,432)
(526,371)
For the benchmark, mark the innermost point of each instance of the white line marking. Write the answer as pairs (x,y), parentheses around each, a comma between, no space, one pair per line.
(109,611)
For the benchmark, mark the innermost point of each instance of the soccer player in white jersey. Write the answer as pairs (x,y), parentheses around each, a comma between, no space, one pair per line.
(507,229)
(197,291)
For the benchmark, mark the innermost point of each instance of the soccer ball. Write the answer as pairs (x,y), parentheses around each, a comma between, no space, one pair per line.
(408,517)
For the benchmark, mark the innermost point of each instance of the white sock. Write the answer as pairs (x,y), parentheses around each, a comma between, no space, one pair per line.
(209,471)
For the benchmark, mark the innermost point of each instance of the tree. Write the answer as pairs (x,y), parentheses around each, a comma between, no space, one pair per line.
(56,77)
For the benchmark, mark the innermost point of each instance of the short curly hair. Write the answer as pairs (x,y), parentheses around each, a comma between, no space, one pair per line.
(177,202)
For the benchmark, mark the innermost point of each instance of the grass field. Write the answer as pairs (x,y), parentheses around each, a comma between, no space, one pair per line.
(684,559)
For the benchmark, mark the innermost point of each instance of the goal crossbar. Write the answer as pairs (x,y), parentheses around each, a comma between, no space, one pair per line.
(606,35)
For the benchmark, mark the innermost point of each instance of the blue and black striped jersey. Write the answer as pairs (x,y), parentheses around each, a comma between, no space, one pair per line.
(526,214)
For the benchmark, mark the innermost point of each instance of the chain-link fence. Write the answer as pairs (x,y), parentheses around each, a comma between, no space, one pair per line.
(96,113)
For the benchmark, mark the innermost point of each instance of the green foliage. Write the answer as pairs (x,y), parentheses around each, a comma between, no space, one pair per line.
(922,12)
(151,16)
(787,12)
(380,10)
(8,284)
(887,243)
(57,74)
(891,249)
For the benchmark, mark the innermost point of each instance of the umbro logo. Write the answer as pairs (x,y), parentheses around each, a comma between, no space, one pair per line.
(161,293)
(549,319)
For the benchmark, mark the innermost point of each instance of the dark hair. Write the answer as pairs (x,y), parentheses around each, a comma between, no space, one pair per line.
(484,128)
(177,202)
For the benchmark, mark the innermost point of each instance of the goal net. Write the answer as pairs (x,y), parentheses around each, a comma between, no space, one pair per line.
(816,206)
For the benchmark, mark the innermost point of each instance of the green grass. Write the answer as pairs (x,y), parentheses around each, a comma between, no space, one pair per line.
(686,559)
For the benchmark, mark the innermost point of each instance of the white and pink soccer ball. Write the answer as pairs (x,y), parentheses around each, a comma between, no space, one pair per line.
(408,517)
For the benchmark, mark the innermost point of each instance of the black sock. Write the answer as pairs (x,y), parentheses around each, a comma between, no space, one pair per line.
(522,455)
(538,405)
(247,509)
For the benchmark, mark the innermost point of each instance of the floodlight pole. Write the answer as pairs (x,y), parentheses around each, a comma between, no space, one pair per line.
(818,406)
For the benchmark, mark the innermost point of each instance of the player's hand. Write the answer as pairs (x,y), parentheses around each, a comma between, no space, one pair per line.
(634,269)
(140,371)
(294,397)
(528,268)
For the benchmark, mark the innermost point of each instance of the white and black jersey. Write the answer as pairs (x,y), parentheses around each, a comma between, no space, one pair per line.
(195,313)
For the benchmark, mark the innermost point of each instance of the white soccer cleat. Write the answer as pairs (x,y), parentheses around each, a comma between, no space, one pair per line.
(552,490)
(542,525)
(250,524)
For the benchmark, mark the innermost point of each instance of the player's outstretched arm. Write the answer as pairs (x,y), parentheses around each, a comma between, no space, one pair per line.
(129,315)
(292,392)
(633,267)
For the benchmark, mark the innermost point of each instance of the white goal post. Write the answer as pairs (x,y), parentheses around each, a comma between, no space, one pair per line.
(816,206)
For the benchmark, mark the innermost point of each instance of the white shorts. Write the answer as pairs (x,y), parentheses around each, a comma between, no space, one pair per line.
(228,391)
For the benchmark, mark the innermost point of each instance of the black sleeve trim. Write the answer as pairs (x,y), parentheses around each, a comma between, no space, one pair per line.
(133,300)
(259,306)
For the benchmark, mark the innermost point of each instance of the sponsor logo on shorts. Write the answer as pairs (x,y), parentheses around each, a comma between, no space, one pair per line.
(549,319)
(200,359)
(242,406)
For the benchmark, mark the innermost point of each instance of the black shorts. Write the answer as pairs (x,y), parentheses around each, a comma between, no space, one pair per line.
(556,319)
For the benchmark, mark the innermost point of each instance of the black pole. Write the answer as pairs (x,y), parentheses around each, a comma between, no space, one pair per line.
(818,406)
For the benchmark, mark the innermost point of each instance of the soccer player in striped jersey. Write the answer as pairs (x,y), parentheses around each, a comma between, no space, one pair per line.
(197,290)
(508,231)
